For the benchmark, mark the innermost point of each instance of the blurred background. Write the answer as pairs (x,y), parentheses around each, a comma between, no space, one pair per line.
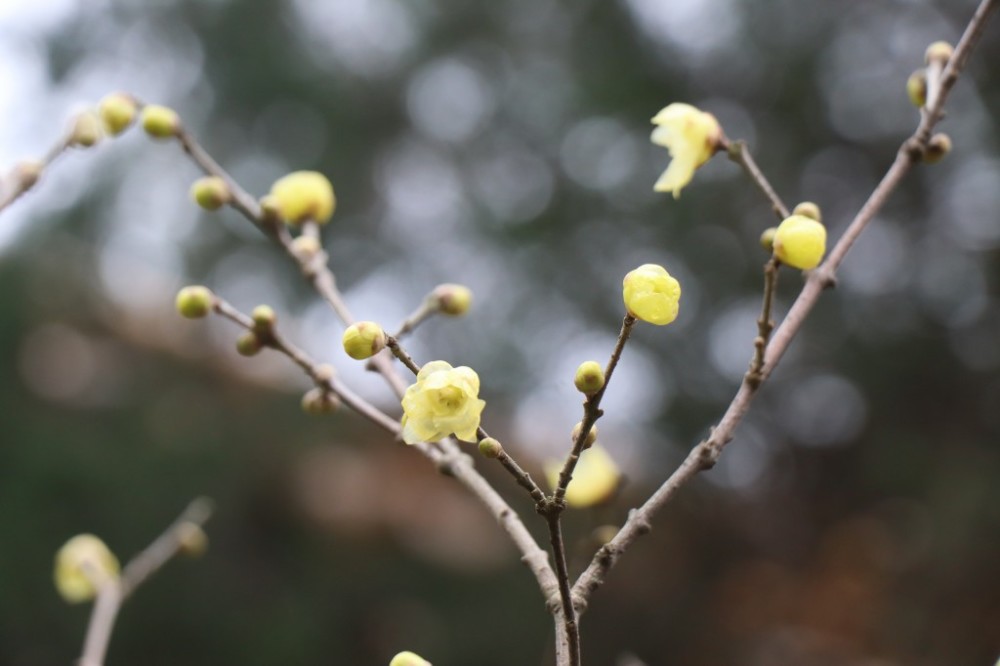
(855,519)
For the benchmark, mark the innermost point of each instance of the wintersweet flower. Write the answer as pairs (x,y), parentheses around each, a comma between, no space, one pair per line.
(651,294)
(304,195)
(83,564)
(409,659)
(800,242)
(691,136)
(443,401)
(595,478)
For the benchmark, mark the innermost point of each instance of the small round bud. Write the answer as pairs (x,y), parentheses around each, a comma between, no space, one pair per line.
(86,130)
(306,247)
(324,373)
(160,122)
(194,302)
(651,294)
(451,299)
(363,340)
(249,344)
(27,173)
(117,112)
(191,539)
(490,448)
(591,436)
(210,192)
(800,242)
(408,659)
(938,52)
(937,148)
(263,317)
(916,88)
(304,195)
(83,565)
(318,402)
(767,239)
(589,377)
(808,209)
(270,212)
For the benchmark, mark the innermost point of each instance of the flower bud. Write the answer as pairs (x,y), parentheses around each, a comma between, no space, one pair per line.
(318,402)
(651,294)
(249,344)
(937,148)
(591,436)
(263,317)
(160,122)
(408,659)
(363,340)
(916,88)
(808,209)
(589,377)
(191,539)
(27,173)
(324,373)
(117,112)
(451,299)
(490,448)
(938,52)
(210,192)
(304,195)
(83,565)
(195,302)
(800,242)
(270,212)
(767,239)
(86,130)
(306,247)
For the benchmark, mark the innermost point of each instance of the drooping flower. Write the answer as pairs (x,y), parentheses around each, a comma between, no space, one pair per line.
(691,135)
(595,478)
(800,242)
(651,294)
(443,401)
(83,564)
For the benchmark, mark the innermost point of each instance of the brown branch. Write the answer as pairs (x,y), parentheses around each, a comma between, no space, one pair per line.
(25,174)
(705,454)
(739,153)
(764,324)
(114,592)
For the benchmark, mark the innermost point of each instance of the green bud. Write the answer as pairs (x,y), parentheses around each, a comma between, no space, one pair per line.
(160,122)
(937,148)
(451,299)
(191,539)
(591,436)
(86,130)
(117,112)
(195,302)
(210,192)
(318,402)
(808,209)
(589,377)
(916,88)
(263,317)
(363,340)
(767,239)
(248,344)
(490,447)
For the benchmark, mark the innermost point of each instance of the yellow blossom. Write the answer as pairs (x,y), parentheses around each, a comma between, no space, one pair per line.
(800,242)
(83,565)
(651,294)
(595,478)
(443,401)
(691,136)
(409,659)
(304,195)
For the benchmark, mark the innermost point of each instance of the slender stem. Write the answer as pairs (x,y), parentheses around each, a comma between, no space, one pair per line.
(764,324)
(19,181)
(739,153)
(707,452)
(417,317)
(569,618)
(400,353)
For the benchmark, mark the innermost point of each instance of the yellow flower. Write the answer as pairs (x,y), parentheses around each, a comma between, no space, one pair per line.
(594,480)
(304,195)
(408,659)
(800,242)
(651,294)
(444,401)
(83,565)
(691,136)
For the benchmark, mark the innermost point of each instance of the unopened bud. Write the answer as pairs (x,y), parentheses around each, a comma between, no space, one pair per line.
(363,340)
(117,112)
(490,447)
(451,299)
(306,247)
(27,173)
(938,52)
(589,377)
(191,539)
(808,209)
(86,130)
(937,148)
(249,344)
(194,302)
(324,373)
(591,435)
(317,402)
(408,659)
(263,317)
(916,88)
(767,239)
(210,192)
(160,122)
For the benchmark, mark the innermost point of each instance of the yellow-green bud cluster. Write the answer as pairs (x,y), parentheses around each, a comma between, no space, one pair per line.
(363,340)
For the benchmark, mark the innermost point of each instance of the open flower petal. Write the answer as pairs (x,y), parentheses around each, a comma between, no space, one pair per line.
(443,401)
(692,136)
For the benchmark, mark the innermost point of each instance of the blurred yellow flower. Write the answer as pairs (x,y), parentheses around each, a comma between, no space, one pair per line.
(691,136)
(443,401)
(83,565)
(800,242)
(409,659)
(595,478)
(651,294)
(304,195)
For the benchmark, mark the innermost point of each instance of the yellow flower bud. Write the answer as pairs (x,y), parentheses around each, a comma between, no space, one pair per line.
(27,173)
(160,122)
(363,340)
(83,565)
(767,239)
(304,195)
(192,539)
(692,136)
(589,377)
(800,242)
(591,436)
(809,209)
(916,88)
(451,299)
(86,130)
(595,478)
(306,247)
(263,317)
(490,448)
(210,192)
(408,659)
(195,302)
(651,294)
(938,51)
(318,402)
(249,344)
(937,148)
(443,401)
(117,112)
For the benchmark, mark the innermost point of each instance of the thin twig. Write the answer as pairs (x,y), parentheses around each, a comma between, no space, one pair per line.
(114,592)
(764,324)
(739,153)
(569,617)
(706,453)
(18,181)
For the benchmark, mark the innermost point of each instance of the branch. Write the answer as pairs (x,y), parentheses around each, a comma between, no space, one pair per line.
(706,453)
(739,153)
(114,592)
